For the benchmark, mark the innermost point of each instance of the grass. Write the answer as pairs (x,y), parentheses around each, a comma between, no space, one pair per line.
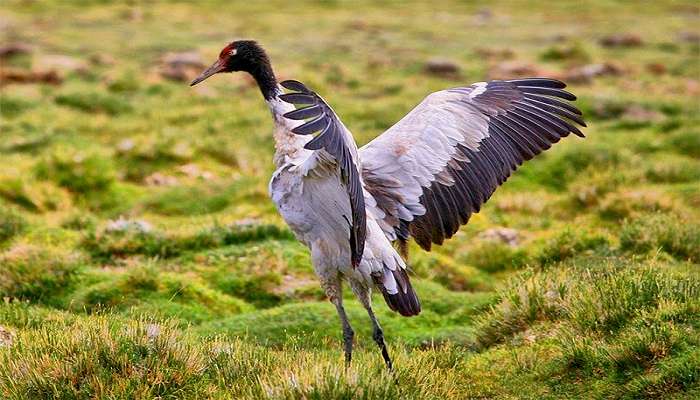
(140,256)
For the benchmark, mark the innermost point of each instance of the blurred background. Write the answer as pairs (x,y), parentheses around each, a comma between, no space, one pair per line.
(128,198)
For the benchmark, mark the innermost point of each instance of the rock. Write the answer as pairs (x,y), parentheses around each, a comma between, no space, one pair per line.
(135,14)
(193,171)
(692,87)
(181,67)
(516,69)
(247,222)
(689,37)
(442,67)
(187,58)
(124,225)
(503,235)
(61,63)
(16,75)
(621,40)
(158,179)
(6,337)
(102,59)
(605,109)
(638,113)
(177,74)
(494,54)
(559,38)
(14,49)
(365,26)
(126,146)
(573,53)
(586,73)
(376,61)
(656,68)
(483,16)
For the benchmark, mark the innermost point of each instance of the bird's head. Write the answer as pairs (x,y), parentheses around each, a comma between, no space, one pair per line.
(241,55)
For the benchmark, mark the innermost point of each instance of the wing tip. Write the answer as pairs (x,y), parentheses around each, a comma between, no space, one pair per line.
(540,82)
(291,84)
(297,98)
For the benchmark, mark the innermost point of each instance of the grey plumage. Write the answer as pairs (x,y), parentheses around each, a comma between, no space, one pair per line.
(422,179)
(448,155)
(332,137)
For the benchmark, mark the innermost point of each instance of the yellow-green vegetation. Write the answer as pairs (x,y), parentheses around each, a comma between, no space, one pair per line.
(140,256)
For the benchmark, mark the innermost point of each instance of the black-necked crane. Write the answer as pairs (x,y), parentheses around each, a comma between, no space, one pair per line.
(355,209)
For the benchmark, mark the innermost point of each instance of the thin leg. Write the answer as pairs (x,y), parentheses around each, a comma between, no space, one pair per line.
(348,333)
(334,291)
(363,294)
(378,336)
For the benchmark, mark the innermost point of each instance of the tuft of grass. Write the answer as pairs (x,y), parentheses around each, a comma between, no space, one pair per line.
(666,232)
(496,257)
(143,155)
(529,297)
(37,274)
(112,244)
(13,106)
(452,275)
(603,109)
(558,170)
(628,203)
(571,243)
(191,200)
(616,320)
(77,171)
(109,245)
(571,53)
(685,142)
(255,289)
(588,191)
(147,290)
(11,224)
(676,171)
(105,358)
(138,360)
(34,196)
(94,102)
(79,222)
(127,82)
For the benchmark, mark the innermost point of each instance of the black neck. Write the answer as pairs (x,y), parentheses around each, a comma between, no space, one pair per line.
(266,79)
(250,57)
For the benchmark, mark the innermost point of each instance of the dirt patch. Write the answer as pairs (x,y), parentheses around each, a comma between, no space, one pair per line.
(442,67)
(621,40)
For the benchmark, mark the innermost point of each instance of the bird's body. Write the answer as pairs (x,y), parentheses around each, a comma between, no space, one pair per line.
(310,197)
(421,179)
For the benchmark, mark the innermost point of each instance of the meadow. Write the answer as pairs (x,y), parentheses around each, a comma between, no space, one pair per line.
(140,255)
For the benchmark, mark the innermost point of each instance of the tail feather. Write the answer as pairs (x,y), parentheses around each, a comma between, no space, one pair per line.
(405,301)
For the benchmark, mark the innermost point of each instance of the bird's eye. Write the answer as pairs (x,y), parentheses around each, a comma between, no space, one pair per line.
(233,52)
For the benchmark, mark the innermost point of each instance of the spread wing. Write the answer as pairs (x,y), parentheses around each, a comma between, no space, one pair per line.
(444,159)
(333,137)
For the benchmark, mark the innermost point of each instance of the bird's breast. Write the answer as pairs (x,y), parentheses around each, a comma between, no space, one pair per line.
(286,191)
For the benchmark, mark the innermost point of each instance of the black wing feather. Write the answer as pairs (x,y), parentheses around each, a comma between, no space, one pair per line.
(525,117)
(331,138)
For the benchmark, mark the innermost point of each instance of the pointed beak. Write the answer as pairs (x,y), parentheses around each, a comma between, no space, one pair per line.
(217,67)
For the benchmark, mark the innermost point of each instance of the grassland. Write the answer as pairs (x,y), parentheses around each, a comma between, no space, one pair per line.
(140,256)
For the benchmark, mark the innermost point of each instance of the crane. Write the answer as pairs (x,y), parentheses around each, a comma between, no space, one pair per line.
(357,208)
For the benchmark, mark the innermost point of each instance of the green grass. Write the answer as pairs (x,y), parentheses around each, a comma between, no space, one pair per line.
(140,255)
